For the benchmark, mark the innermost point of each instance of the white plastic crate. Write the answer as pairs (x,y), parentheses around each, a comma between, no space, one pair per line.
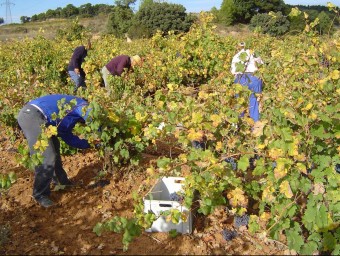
(158,200)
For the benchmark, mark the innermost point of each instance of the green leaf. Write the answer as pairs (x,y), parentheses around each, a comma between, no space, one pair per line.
(173,233)
(295,240)
(329,242)
(309,248)
(98,228)
(243,163)
(163,162)
(320,132)
(287,134)
(321,216)
(260,168)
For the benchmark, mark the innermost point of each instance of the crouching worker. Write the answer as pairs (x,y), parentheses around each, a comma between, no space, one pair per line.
(43,112)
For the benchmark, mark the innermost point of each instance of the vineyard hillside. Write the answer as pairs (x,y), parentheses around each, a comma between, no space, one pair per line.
(254,188)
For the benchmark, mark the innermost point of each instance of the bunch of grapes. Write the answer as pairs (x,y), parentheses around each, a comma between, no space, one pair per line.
(231,161)
(241,220)
(252,161)
(198,145)
(228,234)
(274,164)
(176,197)
(337,168)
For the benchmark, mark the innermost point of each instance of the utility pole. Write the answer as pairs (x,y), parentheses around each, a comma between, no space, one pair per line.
(8,11)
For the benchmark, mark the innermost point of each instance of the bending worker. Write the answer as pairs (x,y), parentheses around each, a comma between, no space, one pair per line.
(40,113)
(117,65)
(75,69)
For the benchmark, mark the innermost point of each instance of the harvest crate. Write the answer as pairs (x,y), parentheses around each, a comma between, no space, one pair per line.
(158,200)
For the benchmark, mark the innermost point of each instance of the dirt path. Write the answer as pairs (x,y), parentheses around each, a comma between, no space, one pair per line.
(26,228)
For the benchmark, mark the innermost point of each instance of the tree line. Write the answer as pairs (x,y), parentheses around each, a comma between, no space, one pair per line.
(265,16)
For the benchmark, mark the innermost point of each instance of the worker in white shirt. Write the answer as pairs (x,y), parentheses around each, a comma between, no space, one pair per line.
(243,66)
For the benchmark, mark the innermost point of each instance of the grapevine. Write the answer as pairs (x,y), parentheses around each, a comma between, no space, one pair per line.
(291,156)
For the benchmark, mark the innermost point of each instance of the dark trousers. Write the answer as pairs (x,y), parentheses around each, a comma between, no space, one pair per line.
(30,120)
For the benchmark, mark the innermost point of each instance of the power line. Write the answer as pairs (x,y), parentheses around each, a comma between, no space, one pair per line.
(8,11)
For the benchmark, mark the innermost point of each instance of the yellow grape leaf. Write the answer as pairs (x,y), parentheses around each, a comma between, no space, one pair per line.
(280,170)
(50,131)
(267,194)
(183,158)
(291,115)
(197,118)
(313,116)
(40,144)
(113,117)
(308,107)
(318,188)
(203,95)
(258,128)
(261,146)
(306,15)
(300,157)
(293,148)
(137,138)
(219,146)
(134,130)
(337,134)
(150,171)
(301,167)
(237,198)
(170,86)
(265,216)
(216,119)
(140,117)
(294,12)
(330,5)
(193,135)
(335,74)
(184,216)
(285,189)
(275,153)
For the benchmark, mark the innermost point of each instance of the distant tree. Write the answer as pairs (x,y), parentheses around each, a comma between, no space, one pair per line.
(216,14)
(69,11)
(325,24)
(86,10)
(102,8)
(34,17)
(266,6)
(226,15)
(164,17)
(50,14)
(58,12)
(24,19)
(125,3)
(297,24)
(274,24)
(120,20)
(145,3)
(2,20)
(243,10)
(74,31)
(41,16)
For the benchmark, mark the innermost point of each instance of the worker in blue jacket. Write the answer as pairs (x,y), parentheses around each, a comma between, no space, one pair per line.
(31,118)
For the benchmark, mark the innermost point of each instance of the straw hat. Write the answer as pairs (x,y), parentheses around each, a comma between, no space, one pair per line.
(135,59)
